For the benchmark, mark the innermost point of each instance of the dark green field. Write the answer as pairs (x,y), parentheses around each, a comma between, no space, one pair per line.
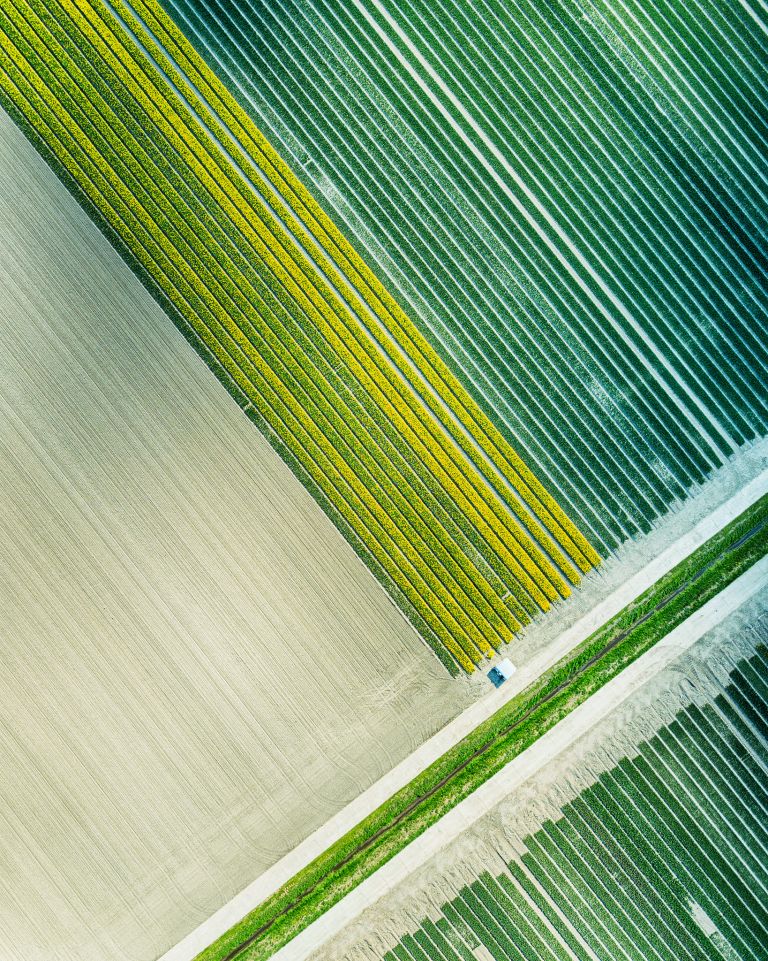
(568,197)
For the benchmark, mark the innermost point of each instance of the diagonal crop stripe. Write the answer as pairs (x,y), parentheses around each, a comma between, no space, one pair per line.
(417,477)
(253,147)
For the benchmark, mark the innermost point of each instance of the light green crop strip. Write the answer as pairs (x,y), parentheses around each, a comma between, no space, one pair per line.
(248,214)
(232,318)
(256,147)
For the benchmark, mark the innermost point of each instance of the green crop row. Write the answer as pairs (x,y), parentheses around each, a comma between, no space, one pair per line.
(402,218)
(294,201)
(316,298)
(614,873)
(500,542)
(236,344)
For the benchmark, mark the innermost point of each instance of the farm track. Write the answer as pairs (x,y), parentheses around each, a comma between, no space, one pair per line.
(457,528)
(500,735)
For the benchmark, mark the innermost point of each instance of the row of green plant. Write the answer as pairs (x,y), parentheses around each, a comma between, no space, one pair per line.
(397,391)
(525,410)
(524,74)
(98,131)
(615,872)
(544,136)
(495,742)
(481,511)
(315,98)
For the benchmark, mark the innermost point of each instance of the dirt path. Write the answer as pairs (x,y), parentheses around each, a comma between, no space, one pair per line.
(554,742)
(272,879)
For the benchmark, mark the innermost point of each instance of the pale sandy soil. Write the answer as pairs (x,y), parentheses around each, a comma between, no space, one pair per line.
(196,670)
(607,591)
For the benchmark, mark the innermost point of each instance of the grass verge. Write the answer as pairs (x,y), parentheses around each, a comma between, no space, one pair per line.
(496,741)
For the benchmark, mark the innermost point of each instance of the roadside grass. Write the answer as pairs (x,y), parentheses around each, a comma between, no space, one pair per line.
(495,742)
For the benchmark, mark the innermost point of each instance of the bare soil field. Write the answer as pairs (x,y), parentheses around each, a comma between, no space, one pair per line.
(197,671)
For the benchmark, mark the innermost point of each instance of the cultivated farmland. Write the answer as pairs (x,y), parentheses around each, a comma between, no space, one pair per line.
(490,279)
(647,839)
(196,669)
(421,482)
(569,198)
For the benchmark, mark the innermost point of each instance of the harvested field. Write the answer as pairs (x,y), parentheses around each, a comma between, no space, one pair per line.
(197,670)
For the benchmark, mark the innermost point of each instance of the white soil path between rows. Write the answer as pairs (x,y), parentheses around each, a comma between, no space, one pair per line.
(284,869)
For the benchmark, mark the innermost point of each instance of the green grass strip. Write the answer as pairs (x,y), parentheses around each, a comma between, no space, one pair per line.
(499,739)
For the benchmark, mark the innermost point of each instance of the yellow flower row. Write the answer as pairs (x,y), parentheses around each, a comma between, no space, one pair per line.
(481,429)
(224,278)
(456,598)
(254,221)
(247,385)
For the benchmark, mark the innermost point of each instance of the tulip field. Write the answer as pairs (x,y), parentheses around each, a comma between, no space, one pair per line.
(568,196)
(413,470)
(489,278)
